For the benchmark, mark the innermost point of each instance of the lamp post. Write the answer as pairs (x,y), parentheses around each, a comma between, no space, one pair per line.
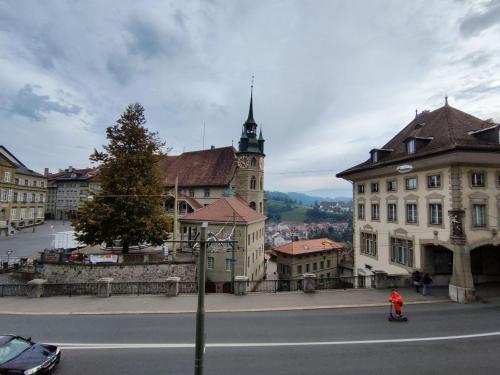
(9,252)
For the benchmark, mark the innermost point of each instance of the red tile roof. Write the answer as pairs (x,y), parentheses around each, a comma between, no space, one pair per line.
(222,210)
(215,167)
(446,129)
(308,246)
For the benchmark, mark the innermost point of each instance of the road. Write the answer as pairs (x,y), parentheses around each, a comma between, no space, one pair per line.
(343,341)
(26,243)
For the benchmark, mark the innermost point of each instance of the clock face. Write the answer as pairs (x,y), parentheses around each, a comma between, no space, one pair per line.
(243,161)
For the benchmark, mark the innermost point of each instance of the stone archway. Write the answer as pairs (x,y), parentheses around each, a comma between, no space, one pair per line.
(438,262)
(485,264)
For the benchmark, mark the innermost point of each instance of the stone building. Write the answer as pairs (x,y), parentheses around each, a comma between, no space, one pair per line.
(68,190)
(429,200)
(23,194)
(229,218)
(318,256)
(207,175)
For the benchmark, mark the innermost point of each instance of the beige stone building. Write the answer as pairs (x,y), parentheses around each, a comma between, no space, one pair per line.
(68,190)
(23,194)
(429,200)
(229,218)
(318,256)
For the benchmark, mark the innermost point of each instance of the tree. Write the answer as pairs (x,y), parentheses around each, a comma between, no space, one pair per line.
(128,207)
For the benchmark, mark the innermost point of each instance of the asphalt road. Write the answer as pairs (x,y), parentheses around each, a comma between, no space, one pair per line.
(345,341)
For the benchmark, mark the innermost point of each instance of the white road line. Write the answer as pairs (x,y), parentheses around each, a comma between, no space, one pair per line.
(83,346)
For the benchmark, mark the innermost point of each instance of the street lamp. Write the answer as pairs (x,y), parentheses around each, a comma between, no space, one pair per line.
(9,252)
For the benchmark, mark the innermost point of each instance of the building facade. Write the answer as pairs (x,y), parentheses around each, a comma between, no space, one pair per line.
(429,200)
(68,190)
(229,218)
(318,256)
(23,194)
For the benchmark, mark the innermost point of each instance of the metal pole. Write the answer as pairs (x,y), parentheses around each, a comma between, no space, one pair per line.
(200,313)
(176,203)
(232,253)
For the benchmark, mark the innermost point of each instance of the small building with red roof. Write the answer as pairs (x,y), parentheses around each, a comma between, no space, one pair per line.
(318,256)
(229,218)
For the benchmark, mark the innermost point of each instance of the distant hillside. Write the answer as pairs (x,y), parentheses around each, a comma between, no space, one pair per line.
(302,198)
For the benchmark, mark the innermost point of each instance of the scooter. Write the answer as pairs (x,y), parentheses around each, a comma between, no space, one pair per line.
(395,318)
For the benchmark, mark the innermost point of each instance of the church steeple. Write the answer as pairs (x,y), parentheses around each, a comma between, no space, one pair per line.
(248,141)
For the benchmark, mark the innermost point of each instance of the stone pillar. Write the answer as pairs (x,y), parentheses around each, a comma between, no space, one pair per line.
(173,286)
(240,285)
(104,287)
(309,282)
(461,288)
(36,287)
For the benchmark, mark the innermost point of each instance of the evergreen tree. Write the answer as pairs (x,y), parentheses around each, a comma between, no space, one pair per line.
(128,207)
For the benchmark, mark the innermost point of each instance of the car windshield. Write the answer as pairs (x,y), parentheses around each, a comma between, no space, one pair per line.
(12,349)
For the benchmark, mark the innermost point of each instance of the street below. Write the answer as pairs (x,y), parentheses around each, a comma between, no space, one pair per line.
(444,338)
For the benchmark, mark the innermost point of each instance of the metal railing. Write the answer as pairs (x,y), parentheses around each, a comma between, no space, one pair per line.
(70,289)
(14,290)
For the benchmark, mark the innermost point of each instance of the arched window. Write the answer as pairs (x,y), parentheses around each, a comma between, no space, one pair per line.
(253,162)
(262,183)
(260,208)
(253,206)
(253,183)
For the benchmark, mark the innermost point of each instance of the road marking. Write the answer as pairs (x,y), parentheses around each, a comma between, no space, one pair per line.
(93,346)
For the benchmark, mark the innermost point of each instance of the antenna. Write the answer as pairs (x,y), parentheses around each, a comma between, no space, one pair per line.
(203,135)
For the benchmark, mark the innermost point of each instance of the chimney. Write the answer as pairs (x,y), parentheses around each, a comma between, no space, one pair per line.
(212,147)
(46,172)
(70,169)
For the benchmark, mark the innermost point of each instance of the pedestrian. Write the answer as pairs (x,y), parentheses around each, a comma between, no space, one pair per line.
(417,280)
(397,303)
(426,282)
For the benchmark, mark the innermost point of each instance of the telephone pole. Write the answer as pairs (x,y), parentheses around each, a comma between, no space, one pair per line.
(200,312)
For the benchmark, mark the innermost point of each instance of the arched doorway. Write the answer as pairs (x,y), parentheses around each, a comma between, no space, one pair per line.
(438,262)
(485,264)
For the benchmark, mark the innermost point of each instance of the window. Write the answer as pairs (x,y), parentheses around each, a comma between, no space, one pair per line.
(261,184)
(402,251)
(253,163)
(479,215)
(228,264)
(34,183)
(328,263)
(361,211)
(375,211)
(253,183)
(392,185)
(299,269)
(191,193)
(26,182)
(42,184)
(411,183)
(13,214)
(411,213)
(210,263)
(361,188)
(5,195)
(410,147)
(6,176)
(315,266)
(307,267)
(25,197)
(15,197)
(375,156)
(477,179)
(260,207)
(32,213)
(435,214)
(368,243)
(374,187)
(392,212)
(22,214)
(16,181)
(206,193)
(434,181)
(322,265)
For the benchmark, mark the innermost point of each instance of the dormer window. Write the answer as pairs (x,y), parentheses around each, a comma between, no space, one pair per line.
(411,146)
(375,156)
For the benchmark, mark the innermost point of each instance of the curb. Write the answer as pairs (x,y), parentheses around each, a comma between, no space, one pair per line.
(265,309)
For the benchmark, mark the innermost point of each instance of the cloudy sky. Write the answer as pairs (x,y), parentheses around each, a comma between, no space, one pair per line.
(333,79)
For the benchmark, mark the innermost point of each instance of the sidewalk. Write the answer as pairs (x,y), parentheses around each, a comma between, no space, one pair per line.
(283,301)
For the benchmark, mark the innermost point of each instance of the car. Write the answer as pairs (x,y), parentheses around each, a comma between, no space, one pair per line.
(20,356)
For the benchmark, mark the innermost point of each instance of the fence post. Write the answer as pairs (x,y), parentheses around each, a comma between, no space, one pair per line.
(104,287)
(173,286)
(309,282)
(36,287)
(240,285)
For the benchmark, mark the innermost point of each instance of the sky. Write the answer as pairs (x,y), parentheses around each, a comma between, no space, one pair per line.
(333,79)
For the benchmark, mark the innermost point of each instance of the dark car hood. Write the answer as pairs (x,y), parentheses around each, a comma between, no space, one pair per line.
(32,357)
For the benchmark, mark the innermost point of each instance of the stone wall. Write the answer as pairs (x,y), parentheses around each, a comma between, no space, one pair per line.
(80,273)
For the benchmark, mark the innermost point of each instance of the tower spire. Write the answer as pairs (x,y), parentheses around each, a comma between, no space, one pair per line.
(250,111)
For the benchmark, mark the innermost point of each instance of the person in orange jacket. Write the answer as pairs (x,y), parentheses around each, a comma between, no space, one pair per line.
(397,303)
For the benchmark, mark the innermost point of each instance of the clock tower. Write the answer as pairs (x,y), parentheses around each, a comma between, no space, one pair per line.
(250,171)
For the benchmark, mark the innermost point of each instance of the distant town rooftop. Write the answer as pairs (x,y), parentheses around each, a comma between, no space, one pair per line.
(308,246)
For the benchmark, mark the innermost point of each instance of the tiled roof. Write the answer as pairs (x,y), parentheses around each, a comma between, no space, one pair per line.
(442,130)
(73,174)
(222,210)
(20,167)
(308,246)
(215,167)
